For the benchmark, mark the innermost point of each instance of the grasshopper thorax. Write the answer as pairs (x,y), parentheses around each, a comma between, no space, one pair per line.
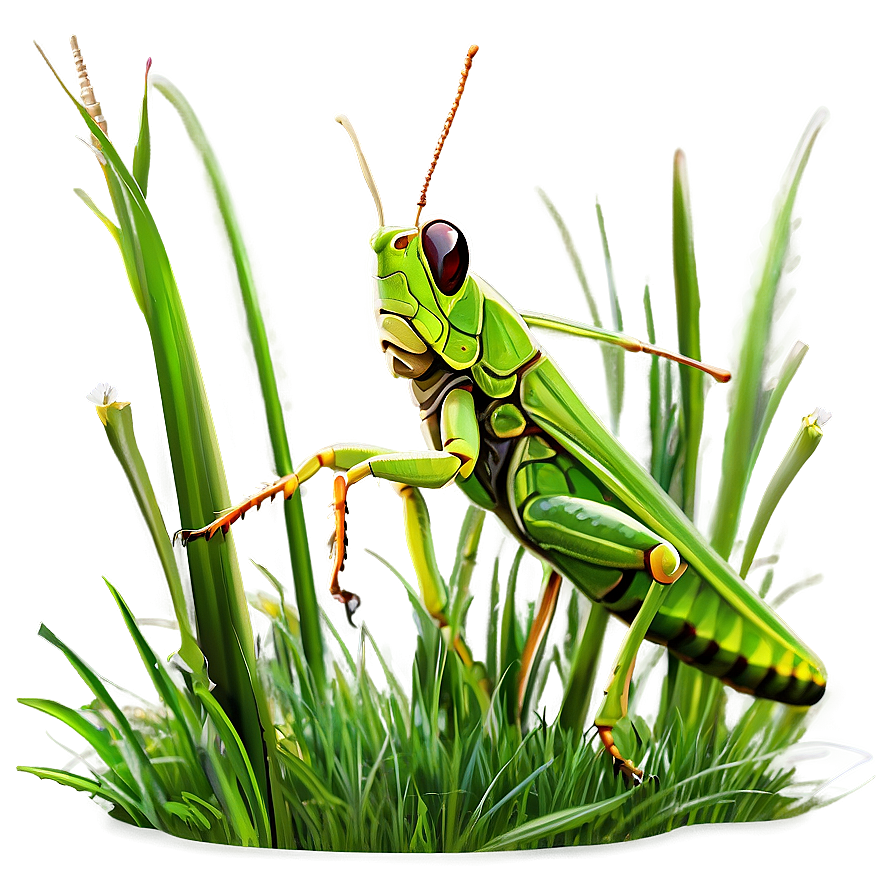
(427,302)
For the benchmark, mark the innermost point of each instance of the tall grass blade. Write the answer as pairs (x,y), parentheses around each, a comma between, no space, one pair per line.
(772,398)
(611,356)
(142,149)
(222,617)
(300,556)
(741,433)
(687,303)
(144,777)
(241,765)
(118,424)
(616,384)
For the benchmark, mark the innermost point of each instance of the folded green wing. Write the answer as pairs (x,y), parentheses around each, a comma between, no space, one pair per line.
(553,404)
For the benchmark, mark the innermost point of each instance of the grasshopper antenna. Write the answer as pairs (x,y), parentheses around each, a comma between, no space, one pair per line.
(630,344)
(460,92)
(365,170)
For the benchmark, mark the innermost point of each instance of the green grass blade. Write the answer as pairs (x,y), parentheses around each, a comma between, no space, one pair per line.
(554,823)
(687,303)
(801,449)
(300,556)
(225,634)
(119,428)
(144,777)
(616,384)
(99,690)
(142,149)
(180,707)
(740,434)
(514,791)
(773,399)
(655,408)
(610,355)
(100,739)
(580,684)
(311,782)
(79,782)
(240,763)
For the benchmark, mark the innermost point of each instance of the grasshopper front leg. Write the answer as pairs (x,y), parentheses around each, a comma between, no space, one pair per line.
(418,469)
(333,457)
(421,469)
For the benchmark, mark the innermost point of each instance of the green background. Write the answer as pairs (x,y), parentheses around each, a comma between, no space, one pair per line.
(579,98)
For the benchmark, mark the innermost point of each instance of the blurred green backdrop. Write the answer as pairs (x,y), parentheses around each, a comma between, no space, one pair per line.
(580,98)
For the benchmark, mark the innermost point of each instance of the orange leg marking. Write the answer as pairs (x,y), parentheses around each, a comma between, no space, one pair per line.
(536,634)
(339,549)
(286,484)
(620,763)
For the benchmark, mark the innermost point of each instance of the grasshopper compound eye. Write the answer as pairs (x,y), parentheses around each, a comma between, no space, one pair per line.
(446,252)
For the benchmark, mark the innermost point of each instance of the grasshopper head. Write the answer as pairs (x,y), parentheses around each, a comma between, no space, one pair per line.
(427,302)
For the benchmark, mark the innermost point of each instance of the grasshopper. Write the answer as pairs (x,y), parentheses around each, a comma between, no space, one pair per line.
(503,422)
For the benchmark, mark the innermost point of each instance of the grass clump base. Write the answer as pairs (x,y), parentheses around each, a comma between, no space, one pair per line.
(368,768)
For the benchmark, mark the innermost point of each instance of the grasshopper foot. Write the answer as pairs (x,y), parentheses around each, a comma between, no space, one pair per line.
(351,602)
(632,775)
(222,525)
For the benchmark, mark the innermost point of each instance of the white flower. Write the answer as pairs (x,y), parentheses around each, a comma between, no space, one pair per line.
(819,416)
(104,395)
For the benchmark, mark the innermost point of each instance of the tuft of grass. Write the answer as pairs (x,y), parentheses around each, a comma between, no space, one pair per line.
(300,748)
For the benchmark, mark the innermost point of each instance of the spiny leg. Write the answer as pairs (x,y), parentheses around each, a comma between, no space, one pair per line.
(537,632)
(334,457)
(615,702)
(591,534)
(425,469)
(459,430)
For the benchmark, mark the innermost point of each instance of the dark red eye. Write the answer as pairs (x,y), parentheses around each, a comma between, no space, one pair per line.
(446,251)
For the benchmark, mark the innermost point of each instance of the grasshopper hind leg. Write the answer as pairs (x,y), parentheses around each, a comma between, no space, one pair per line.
(590,540)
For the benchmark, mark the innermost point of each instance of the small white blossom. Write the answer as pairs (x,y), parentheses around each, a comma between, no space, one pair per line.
(819,417)
(104,395)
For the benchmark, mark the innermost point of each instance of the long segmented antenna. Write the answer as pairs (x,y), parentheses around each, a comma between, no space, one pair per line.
(365,170)
(88,98)
(460,91)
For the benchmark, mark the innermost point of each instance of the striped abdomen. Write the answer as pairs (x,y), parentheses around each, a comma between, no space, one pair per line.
(703,630)
(742,642)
